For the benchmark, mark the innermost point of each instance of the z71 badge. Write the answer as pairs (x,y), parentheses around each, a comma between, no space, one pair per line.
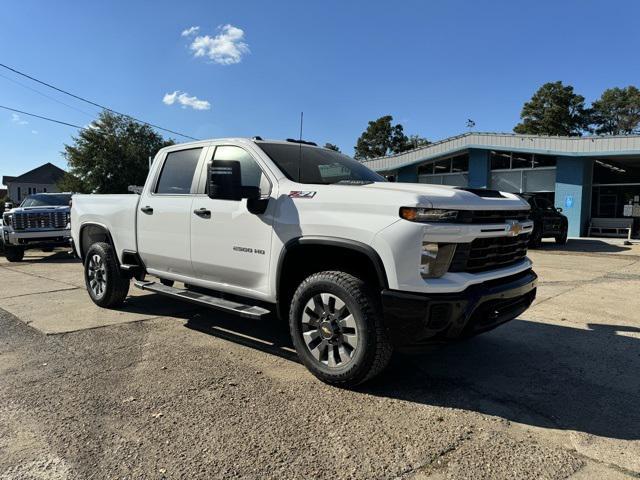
(300,194)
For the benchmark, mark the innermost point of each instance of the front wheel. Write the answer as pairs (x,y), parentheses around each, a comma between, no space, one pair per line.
(337,329)
(562,238)
(13,254)
(105,283)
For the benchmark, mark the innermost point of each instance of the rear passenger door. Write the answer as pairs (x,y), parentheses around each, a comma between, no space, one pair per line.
(164,213)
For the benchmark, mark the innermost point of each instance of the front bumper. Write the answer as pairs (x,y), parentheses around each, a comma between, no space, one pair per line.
(414,319)
(37,239)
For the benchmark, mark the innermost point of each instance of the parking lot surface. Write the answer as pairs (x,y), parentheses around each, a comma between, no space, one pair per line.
(161,389)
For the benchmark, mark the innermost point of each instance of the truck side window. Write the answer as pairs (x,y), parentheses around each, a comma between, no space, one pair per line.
(250,171)
(177,172)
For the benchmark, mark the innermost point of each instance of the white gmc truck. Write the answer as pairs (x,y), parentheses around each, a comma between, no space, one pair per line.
(357,265)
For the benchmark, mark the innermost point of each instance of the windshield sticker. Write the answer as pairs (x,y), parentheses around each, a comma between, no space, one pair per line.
(301,194)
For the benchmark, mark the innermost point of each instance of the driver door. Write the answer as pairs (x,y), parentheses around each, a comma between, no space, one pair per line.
(230,245)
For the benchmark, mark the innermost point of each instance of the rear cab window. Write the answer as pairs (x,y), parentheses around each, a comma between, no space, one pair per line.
(178,170)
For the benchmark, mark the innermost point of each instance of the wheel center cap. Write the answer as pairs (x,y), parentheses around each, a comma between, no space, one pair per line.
(326,330)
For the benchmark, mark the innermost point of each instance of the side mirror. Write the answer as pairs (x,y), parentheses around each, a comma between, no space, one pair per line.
(224,180)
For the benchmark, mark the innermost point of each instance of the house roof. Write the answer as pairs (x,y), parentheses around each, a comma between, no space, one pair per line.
(47,174)
(567,146)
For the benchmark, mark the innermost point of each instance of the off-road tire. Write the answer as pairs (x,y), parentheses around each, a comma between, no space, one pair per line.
(562,238)
(116,285)
(374,349)
(536,237)
(13,254)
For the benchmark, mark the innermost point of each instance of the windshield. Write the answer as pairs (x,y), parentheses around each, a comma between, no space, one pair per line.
(50,200)
(305,164)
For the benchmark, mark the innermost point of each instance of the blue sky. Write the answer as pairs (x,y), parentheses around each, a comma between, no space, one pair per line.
(430,64)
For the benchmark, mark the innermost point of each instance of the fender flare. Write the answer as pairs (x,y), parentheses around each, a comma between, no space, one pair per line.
(334,242)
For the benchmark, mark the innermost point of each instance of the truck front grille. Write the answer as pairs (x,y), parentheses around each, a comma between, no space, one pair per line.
(489,253)
(40,220)
(492,216)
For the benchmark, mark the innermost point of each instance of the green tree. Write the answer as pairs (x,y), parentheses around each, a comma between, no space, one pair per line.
(381,138)
(554,110)
(416,141)
(331,146)
(112,154)
(617,112)
(71,183)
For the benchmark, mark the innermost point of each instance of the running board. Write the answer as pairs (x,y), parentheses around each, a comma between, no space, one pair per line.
(247,311)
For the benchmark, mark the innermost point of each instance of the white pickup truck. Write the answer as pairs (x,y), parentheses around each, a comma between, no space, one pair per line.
(357,265)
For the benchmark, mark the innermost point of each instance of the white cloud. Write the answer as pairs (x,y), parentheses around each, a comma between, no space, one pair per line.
(35,132)
(185,100)
(190,31)
(226,48)
(15,118)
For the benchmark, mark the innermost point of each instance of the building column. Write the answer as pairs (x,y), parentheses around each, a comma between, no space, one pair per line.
(479,168)
(573,192)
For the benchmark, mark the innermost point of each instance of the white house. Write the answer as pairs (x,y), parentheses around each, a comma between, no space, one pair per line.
(43,179)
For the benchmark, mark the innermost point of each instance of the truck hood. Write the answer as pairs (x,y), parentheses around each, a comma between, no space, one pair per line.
(54,208)
(443,196)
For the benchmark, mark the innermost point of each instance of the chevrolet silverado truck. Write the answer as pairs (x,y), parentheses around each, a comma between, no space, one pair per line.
(40,222)
(357,265)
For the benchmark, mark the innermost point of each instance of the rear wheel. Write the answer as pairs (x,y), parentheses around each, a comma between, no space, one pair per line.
(13,254)
(337,329)
(105,283)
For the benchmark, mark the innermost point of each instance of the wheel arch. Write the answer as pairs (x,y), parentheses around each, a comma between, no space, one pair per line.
(91,233)
(303,256)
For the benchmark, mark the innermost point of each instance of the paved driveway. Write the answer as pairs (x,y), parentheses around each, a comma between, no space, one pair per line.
(161,389)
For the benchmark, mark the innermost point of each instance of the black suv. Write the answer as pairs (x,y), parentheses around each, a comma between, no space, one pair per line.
(547,220)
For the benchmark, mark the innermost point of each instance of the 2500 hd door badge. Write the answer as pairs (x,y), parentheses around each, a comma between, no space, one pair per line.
(257,251)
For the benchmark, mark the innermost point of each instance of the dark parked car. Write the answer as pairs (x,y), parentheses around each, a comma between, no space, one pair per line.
(548,220)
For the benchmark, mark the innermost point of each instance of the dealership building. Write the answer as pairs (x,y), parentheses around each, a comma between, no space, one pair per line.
(588,177)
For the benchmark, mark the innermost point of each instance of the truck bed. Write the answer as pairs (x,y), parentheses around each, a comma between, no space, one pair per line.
(117,213)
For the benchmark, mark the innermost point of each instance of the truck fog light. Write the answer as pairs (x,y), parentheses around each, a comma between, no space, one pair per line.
(436,258)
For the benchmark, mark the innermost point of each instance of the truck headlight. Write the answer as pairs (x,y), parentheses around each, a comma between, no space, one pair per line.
(436,259)
(419,214)
(6,218)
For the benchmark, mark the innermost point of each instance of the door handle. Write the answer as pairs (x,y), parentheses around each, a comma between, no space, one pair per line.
(148,210)
(202,212)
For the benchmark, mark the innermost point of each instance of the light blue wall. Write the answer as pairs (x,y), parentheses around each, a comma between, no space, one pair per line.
(573,191)
(479,168)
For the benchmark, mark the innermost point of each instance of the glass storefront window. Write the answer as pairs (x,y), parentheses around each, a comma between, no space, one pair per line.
(426,169)
(460,164)
(500,160)
(521,160)
(442,166)
(543,161)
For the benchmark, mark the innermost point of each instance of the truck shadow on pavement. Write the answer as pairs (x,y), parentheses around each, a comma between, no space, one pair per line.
(532,373)
(56,257)
(528,372)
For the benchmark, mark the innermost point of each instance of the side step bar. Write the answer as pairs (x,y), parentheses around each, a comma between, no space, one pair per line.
(247,311)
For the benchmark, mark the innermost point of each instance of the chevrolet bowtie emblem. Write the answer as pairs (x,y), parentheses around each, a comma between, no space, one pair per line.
(514,229)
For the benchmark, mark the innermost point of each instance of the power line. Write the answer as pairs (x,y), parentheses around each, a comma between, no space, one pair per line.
(92,115)
(43,118)
(93,103)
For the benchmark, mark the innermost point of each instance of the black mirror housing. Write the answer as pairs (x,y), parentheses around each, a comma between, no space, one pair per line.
(224,180)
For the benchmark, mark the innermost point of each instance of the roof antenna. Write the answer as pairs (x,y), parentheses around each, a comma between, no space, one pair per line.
(300,144)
